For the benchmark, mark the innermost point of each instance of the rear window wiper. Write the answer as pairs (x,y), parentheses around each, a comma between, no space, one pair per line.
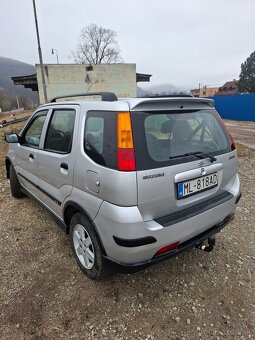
(199,154)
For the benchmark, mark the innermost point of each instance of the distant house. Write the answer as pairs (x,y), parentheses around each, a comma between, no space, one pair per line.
(204,91)
(230,87)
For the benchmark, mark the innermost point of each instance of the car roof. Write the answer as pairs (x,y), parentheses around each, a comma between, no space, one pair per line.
(140,104)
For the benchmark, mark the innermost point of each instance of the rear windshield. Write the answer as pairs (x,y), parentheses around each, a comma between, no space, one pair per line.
(161,136)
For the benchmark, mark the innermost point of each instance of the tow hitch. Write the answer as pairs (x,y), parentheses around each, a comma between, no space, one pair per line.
(209,247)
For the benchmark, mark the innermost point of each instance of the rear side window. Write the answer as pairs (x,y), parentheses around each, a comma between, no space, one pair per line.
(100,138)
(165,135)
(95,134)
(60,131)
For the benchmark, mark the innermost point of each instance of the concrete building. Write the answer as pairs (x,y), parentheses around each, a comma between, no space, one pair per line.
(204,91)
(65,79)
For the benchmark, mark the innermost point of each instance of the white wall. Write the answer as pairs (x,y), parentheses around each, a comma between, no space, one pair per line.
(65,79)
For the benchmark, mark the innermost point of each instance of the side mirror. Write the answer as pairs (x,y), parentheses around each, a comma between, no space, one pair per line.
(12,138)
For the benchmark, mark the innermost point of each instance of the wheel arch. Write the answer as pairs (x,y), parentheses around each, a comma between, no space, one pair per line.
(70,209)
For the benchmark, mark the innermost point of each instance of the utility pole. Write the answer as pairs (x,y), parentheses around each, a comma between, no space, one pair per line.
(40,55)
(17,102)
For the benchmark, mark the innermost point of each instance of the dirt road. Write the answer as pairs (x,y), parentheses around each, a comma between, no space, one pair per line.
(198,295)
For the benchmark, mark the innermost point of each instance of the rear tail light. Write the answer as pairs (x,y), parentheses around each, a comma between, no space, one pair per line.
(167,248)
(126,154)
(233,145)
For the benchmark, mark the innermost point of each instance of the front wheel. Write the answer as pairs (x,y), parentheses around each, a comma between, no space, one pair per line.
(86,247)
(15,184)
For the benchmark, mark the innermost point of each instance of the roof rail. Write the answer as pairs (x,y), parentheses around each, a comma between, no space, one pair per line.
(106,96)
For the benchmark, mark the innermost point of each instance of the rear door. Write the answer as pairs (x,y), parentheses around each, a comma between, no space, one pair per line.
(169,176)
(57,157)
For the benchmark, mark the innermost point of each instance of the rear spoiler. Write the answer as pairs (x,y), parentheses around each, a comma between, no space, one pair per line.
(176,103)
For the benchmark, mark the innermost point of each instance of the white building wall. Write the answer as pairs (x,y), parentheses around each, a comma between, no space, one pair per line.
(65,79)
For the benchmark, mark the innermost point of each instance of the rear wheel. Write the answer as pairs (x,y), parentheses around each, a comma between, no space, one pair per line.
(15,184)
(86,247)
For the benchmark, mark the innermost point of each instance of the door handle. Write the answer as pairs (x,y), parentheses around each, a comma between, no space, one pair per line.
(64,166)
(31,156)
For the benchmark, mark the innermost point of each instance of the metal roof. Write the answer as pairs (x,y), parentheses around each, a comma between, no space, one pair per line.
(30,81)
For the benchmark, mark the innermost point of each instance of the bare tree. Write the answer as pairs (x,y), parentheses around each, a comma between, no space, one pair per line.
(25,102)
(97,45)
(5,102)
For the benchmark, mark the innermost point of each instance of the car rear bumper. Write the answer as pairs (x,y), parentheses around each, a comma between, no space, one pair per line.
(128,268)
(128,239)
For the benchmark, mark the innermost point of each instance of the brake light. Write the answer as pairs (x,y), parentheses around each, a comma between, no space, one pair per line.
(233,145)
(126,154)
(167,248)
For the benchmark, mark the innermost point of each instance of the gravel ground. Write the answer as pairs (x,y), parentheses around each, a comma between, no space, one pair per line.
(242,132)
(198,295)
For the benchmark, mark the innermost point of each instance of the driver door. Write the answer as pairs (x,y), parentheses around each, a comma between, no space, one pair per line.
(27,152)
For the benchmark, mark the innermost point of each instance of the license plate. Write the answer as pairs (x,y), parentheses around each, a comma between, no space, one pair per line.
(194,186)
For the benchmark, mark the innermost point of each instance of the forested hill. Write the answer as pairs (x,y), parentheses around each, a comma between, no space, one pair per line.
(11,68)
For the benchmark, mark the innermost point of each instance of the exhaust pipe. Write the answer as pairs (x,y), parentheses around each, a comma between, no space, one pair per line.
(209,247)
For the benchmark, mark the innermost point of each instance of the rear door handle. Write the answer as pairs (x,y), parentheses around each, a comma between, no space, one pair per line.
(31,156)
(64,166)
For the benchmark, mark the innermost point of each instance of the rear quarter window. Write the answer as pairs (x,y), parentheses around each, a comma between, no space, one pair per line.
(100,138)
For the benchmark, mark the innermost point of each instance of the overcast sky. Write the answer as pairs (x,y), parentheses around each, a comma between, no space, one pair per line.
(182,42)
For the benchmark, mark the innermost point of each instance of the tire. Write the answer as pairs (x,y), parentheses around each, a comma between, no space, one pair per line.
(15,184)
(86,248)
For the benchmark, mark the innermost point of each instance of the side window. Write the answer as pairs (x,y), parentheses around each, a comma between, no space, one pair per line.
(60,131)
(33,133)
(100,138)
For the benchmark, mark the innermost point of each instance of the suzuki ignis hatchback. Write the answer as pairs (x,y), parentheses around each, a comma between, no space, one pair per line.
(133,181)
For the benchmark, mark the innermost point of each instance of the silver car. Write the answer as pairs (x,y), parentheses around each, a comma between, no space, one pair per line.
(133,181)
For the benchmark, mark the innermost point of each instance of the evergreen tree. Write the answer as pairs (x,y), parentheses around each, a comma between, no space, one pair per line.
(247,76)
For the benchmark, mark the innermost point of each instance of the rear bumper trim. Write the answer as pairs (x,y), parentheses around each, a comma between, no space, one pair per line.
(195,209)
(137,242)
(129,268)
